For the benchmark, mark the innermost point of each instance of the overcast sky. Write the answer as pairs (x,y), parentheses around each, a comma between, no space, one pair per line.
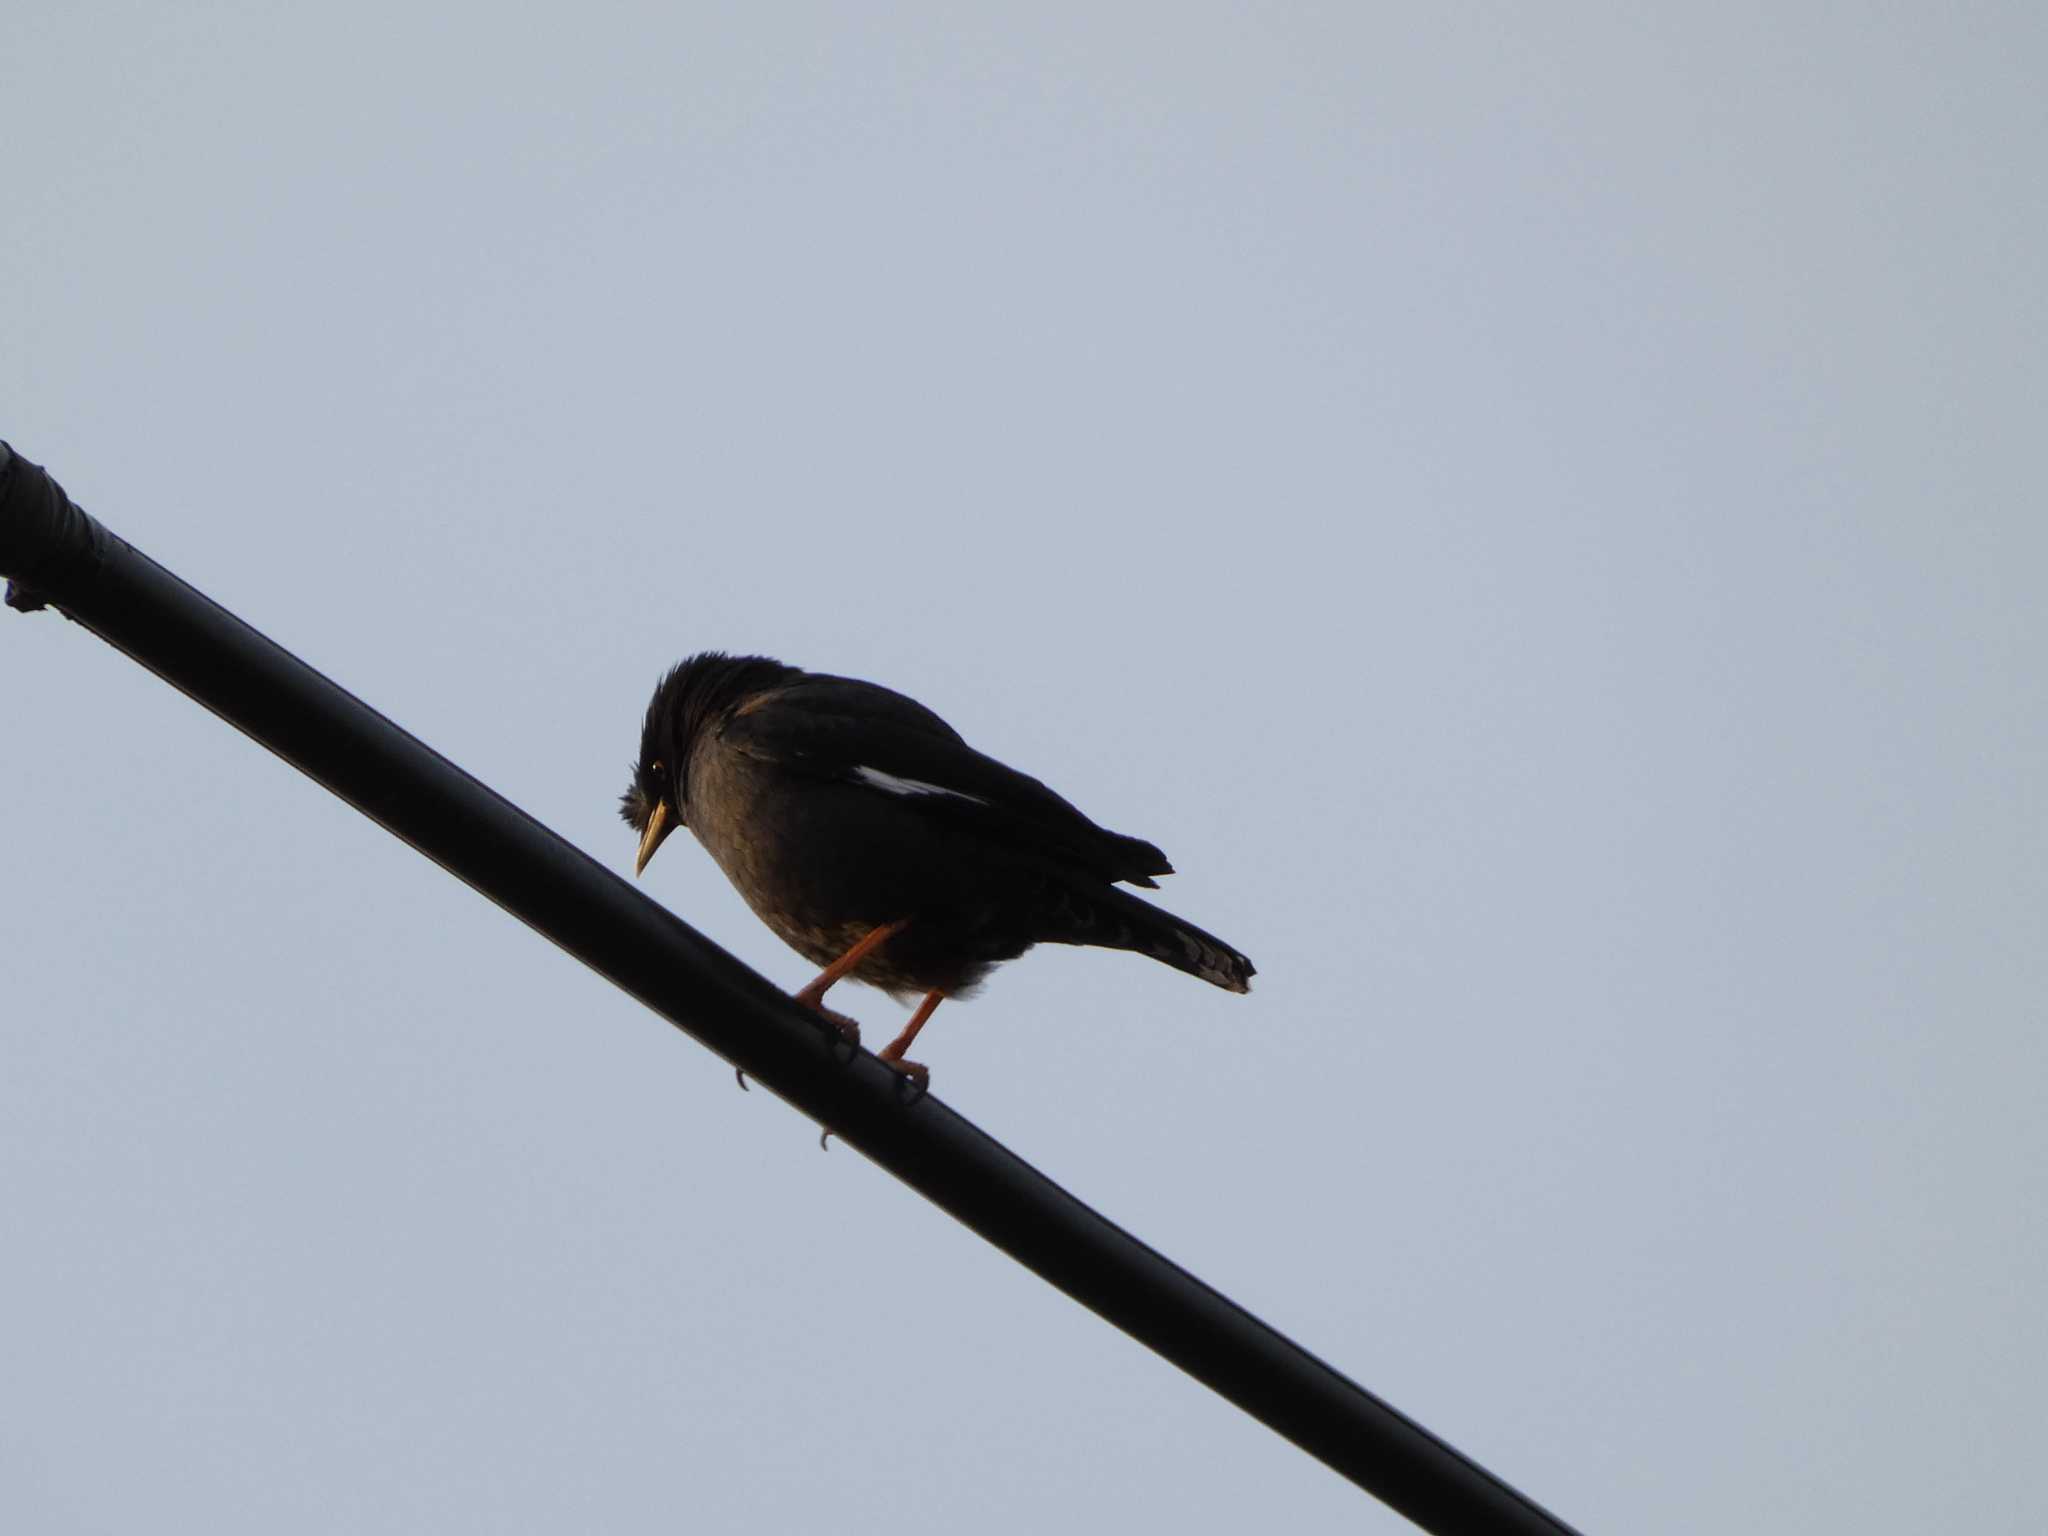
(1539,511)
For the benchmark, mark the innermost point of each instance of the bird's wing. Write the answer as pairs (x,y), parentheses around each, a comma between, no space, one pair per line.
(839,729)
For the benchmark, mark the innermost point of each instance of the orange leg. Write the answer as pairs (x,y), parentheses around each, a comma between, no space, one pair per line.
(892,1053)
(813,996)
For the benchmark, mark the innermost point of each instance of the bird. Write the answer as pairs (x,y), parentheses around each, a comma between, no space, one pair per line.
(875,842)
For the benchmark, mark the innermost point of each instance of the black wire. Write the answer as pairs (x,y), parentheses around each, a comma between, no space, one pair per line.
(60,556)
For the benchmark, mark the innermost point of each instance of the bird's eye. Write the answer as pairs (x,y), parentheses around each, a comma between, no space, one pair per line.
(654,767)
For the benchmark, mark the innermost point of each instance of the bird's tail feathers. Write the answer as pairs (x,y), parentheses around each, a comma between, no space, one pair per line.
(1138,861)
(1108,918)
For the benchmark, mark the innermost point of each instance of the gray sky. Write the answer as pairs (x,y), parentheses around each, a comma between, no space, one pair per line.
(1538,511)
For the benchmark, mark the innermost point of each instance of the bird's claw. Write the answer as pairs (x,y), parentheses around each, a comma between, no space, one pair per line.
(846,1041)
(848,1030)
(915,1074)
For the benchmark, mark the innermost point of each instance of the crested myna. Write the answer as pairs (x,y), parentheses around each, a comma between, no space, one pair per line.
(879,845)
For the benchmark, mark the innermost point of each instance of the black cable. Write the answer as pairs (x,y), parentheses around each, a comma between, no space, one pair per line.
(60,556)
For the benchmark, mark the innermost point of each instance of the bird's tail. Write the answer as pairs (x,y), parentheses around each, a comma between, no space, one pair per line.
(1112,919)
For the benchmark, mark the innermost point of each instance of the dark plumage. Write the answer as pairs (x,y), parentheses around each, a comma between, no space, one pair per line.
(878,844)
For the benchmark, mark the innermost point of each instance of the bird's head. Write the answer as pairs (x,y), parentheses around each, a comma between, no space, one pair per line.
(692,695)
(649,806)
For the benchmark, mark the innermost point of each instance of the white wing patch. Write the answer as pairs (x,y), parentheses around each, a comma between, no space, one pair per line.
(896,786)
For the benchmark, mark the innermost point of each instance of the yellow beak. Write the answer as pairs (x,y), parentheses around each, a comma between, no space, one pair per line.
(658,827)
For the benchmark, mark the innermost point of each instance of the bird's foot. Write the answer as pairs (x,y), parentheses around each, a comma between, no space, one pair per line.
(916,1071)
(846,1029)
(849,1031)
